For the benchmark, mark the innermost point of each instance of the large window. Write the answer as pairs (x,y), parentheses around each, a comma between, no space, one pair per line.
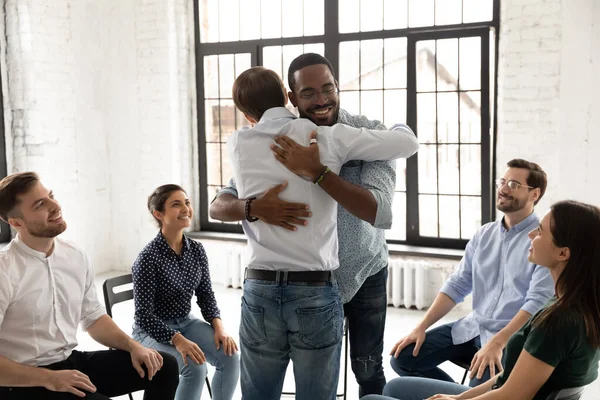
(4,228)
(429,63)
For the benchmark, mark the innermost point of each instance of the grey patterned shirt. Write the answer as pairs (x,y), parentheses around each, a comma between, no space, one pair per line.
(363,250)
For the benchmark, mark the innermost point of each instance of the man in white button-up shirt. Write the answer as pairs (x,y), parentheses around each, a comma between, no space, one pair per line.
(291,308)
(46,290)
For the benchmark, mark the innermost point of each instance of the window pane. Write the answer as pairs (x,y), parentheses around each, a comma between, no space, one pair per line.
(477,10)
(448,12)
(371,15)
(209,11)
(211,77)
(226,74)
(470,169)
(470,117)
(242,63)
(448,169)
(226,169)
(228,119)
(470,63)
(349,65)
(292,14)
(470,216)
(371,104)
(425,66)
(211,120)
(229,20)
(426,117)
(314,17)
(447,114)
(349,16)
(272,58)
(394,63)
(289,53)
(270,18)
(279,58)
(401,175)
(420,13)
(213,163)
(250,15)
(428,216)
(427,169)
(395,14)
(447,64)
(449,217)
(318,48)
(350,101)
(371,60)
(394,107)
(398,229)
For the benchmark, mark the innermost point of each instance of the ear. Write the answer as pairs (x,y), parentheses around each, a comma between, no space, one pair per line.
(157,215)
(564,254)
(535,194)
(286,98)
(251,120)
(293,100)
(16,223)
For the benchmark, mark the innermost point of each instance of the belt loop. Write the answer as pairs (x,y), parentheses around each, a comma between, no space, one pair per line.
(285,278)
(277,277)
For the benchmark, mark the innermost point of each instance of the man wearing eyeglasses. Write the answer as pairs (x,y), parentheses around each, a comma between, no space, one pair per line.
(507,289)
(364,192)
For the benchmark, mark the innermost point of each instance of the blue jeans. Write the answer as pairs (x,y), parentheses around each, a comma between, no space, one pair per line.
(416,389)
(192,377)
(366,314)
(436,349)
(290,321)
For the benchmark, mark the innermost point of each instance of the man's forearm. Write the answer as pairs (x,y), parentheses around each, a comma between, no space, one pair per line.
(440,307)
(227,208)
(357,200)
(14,374)
(107,333)
(513,326)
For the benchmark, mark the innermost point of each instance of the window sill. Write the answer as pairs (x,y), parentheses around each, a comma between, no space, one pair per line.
(394,249)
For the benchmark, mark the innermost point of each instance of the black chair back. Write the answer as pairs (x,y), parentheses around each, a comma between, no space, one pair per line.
(110,297)
(567,394)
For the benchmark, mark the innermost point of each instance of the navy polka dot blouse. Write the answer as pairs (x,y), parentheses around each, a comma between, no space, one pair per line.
(164,283)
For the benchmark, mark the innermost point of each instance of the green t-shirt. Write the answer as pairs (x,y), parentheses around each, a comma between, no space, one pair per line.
(565,347)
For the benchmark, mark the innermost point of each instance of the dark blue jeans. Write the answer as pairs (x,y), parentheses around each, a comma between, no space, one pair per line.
(436,349)
(366,322)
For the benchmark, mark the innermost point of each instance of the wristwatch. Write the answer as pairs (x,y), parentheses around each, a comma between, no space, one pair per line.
(171,340)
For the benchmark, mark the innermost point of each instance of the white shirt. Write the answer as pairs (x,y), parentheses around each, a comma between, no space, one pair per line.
(313,247)
(42,301)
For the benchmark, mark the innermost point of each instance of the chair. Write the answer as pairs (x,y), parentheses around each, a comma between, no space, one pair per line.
(343,394)
(567,394)
(111,298)
(463,363)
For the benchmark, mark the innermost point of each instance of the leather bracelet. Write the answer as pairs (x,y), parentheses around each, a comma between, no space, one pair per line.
(319,178)
(247,209)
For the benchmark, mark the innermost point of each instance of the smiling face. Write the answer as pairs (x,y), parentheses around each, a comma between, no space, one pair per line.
(509,200)
(315,94)
(177,212)
(543,250)
(38,214)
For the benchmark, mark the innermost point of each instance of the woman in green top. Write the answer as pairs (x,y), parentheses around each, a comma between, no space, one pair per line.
(559,347)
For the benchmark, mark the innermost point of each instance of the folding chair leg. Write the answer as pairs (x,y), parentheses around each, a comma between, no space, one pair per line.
(464,377)
(346,364)
(130,396)
(208,387)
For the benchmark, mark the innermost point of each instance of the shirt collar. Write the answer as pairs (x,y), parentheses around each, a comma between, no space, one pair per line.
(276,113)
(28,250)
(531,218)
(161,239)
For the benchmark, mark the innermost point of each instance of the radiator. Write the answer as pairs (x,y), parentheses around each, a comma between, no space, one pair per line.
(227,262)
(408,283)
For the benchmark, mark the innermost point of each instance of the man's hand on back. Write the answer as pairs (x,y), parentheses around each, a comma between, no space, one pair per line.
(301,160)
(269,208)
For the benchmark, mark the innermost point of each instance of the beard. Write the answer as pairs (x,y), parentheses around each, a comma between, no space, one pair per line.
(320,122)
(44,231)
(512,205)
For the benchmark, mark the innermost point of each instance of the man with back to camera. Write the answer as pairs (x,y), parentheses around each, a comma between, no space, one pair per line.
(507,289)
(364,192)
(291,307)
(47,289)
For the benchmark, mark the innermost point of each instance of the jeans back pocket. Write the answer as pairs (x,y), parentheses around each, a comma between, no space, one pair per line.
(320,327)
(252,326)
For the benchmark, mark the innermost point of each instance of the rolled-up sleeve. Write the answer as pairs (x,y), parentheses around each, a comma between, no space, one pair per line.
(541,288)
(204,292)
(144,288)
(91,309)
(231,189)
(379,178)
(460,283)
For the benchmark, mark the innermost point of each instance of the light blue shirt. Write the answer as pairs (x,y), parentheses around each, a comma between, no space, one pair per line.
(496,270)
(363,250)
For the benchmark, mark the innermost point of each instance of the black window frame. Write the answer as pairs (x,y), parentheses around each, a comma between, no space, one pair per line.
(331,40)
(5,234)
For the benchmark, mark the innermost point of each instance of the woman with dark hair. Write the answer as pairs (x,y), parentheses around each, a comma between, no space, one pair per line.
(167,273)
(559,347)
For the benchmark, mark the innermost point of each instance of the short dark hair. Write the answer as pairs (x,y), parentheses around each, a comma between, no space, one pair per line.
(258,89)
(537,177)
(11,188)
(305,60)
(158,198)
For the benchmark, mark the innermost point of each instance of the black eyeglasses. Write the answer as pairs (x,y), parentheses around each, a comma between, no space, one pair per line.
(512,185)
(313,95)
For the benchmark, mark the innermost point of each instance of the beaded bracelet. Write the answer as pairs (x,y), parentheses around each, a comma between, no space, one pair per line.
(319,178)
(247,209)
